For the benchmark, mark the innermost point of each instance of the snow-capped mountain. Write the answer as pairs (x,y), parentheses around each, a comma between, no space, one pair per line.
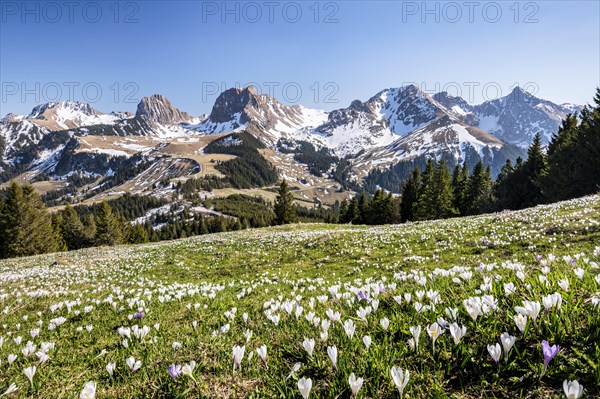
(377,122)
(68,115)
(390,114)
(155,117)
(21,133)
(446,138)
(515,118)
(395,125)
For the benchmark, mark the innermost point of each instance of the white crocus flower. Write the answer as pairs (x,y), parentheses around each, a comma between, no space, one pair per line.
(332,352)
(238,355)
(572,389)
(349,328)
(304,385)
(262,352)
(384,323)
(188,369)
(309,346)
(457,332)
(495,352)
(355,384)
(89,391)
(367,341)
(133,364)
(521,322)
(507,341)
(12,388)
(401,378)
(110,368)
(29,373)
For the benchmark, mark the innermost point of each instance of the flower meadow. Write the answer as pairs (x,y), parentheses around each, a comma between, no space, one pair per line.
(501,305)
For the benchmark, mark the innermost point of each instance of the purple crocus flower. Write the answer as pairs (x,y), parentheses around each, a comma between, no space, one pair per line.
(174,370)
(362,296)
(139,315)
(549,353)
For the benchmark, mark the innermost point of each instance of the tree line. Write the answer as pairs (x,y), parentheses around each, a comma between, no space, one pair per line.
(28,228)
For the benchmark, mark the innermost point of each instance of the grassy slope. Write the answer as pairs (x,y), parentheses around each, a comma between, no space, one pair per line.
(294,264)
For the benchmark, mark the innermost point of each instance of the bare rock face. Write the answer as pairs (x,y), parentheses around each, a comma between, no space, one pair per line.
(251,106)
(234,101)
(260,113)
(158,109)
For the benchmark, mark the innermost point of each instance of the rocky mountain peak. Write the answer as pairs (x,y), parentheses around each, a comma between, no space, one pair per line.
(518,95)
(10,118)
(48,111)
(457,106)
(234,101)
(356,104)
(158,109)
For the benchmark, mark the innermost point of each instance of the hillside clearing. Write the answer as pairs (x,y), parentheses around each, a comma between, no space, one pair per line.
(196,299)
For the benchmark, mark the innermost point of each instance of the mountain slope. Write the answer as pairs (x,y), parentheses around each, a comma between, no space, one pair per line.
(445,138)
(380,120)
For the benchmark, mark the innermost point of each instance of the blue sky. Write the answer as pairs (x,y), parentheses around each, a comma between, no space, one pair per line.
(320,56)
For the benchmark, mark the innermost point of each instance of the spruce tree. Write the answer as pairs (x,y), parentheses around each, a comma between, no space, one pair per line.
(460,179)
(137,234)
(487,200)
(588,172)
(2,226)
(478,197)
(502,189)
(108,228)
(343,211)
(561,180)
(352,215)
(427,175)
(25,223)
(89,224)
(533,167)
(285,209)
(57,220)
(436,199)
(363,209)
(72,230)
(379,210)
(510,186)
(392,209)
(410,195)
